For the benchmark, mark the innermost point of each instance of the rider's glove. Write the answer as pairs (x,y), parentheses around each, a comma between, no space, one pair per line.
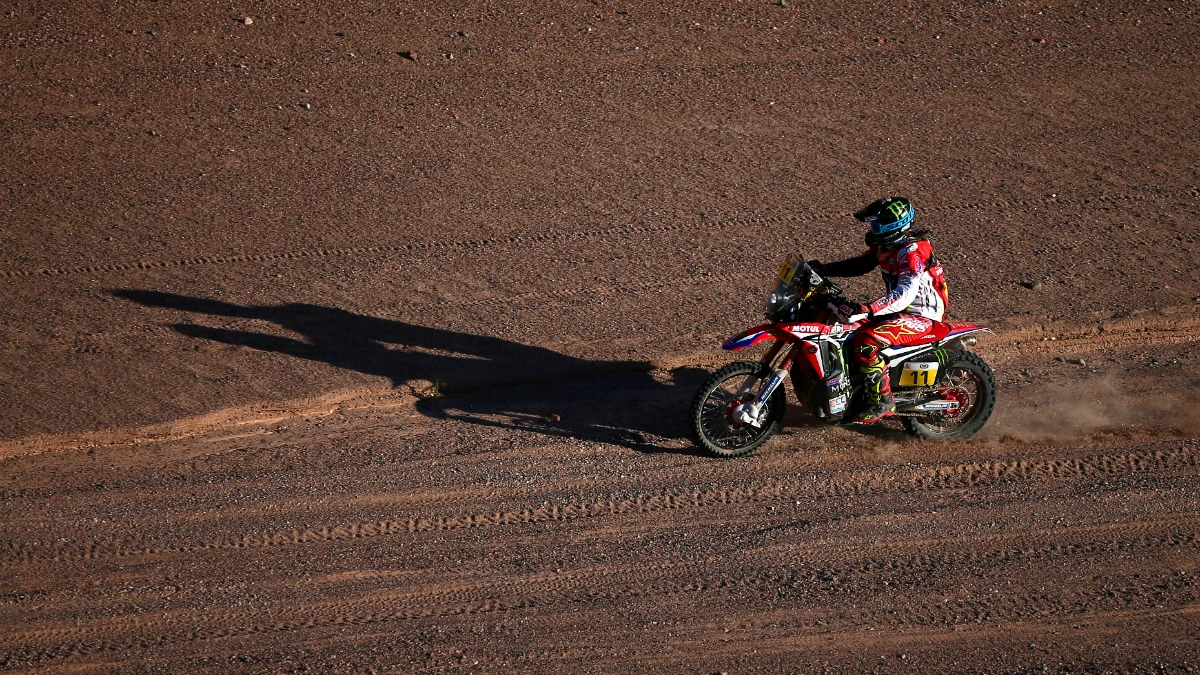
(817,267)
(850,312)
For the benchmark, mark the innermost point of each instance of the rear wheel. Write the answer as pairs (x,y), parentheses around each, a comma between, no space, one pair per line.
(970,382)
(711,416)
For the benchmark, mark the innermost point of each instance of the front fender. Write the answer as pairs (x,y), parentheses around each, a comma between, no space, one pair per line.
(749,337)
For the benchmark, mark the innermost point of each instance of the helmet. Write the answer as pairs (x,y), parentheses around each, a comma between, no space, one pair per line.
(890,219)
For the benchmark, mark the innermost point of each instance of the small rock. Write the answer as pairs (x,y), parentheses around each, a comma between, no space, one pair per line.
(783,3)
(340,34)
(1032,285)
(880,40)
(554,418)
(306,106)
(463,33)
(246,21)
(151,33)
(1039,41)
(1078,362)
(408,54)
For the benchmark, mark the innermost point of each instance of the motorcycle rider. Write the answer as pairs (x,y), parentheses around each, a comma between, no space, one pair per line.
(916,295)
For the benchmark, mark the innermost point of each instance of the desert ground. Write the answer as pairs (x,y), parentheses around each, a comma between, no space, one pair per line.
(359,337)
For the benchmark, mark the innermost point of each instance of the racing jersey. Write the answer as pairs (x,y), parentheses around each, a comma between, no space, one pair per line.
(914,278)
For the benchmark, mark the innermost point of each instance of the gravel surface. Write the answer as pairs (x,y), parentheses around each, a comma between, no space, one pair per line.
(359,337)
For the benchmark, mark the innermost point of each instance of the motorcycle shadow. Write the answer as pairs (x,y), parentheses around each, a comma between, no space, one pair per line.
(477,379)
(634,410)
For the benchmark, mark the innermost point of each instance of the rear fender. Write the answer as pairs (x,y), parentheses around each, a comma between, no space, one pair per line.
(962,334)
(751,337)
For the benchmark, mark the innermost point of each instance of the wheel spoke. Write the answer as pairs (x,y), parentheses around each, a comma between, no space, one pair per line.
(966,387)
(715,415)
(720,395)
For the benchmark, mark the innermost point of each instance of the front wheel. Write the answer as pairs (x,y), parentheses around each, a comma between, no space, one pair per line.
(711,416)
(969,381)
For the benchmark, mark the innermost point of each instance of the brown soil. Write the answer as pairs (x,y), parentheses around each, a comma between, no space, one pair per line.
(323,351)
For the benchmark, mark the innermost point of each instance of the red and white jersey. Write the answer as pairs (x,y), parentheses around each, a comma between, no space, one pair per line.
(912,282)
(914,278)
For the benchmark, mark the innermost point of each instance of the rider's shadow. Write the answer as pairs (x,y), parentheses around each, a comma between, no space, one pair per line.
(472,378)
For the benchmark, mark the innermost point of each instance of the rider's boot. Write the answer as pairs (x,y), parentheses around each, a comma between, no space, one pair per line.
(878,390)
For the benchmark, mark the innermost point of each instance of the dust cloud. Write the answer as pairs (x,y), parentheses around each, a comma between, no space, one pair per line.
(1102,403)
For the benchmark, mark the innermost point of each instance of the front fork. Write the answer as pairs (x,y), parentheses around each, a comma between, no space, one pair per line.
(752,413)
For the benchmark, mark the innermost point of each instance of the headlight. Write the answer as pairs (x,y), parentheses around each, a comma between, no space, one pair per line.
(778,300)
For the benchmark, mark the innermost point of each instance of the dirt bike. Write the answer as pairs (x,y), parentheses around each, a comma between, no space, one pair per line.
(942,390)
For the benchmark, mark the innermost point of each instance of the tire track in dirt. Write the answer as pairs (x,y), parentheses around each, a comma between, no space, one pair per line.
(804,636)
(907,480)
(832,559)
(412,247)
(1112,335)
(757,573)
(234,421)
(1056,200)
(1184,591)
(587,294)
(1056,543)
(547,237)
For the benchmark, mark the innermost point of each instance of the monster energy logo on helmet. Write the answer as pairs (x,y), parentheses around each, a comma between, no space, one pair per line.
(889,219)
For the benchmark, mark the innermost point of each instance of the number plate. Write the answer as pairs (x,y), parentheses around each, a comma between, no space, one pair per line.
(786,271)
(919,374)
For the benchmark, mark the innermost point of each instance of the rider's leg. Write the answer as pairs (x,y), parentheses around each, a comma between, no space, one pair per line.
(876,383)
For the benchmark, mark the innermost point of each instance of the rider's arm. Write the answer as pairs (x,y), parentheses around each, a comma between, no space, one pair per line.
(851,267)
(907,287)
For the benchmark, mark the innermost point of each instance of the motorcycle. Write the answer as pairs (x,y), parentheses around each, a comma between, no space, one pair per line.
(942,390)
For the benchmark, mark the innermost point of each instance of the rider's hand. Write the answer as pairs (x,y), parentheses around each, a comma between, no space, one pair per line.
(849,312)
(817,267)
